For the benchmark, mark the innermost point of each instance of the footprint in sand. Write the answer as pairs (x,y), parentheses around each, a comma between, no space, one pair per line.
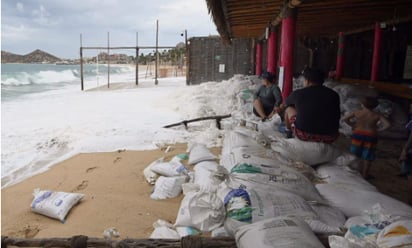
(91,169)
(83,185)
(29,231)
(116,160)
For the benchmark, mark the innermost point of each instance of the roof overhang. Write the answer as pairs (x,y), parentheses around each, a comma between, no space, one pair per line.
(250,19)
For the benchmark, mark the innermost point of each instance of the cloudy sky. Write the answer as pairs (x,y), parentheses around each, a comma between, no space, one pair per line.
(54,26)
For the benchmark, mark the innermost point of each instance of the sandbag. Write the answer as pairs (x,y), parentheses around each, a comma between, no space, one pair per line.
(311,153)
(266,157)
(279,232)
(331,216)
(168,187)
(360,200)
(149,174)
(235,139)
(201,210)
(341,175)
(199,153)
(397,234)
(169,169)
(54,204)
(164,230)
(253,176)
(342,242)
(250,206)
(206,176)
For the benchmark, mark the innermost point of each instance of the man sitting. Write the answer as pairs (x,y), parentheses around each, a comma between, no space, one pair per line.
(313,112)
(268,97)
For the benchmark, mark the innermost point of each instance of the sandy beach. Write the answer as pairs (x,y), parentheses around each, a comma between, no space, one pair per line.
(117,194)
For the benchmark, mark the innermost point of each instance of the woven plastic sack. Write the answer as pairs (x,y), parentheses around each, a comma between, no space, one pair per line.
(54,204)
(280,232)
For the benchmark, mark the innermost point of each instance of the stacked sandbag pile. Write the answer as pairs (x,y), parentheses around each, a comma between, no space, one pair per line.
(268,191)
(368,211)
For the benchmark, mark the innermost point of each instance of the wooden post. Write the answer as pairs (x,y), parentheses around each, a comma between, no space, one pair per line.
(286,51)
(271,52)
(340,58)
(157,54)
(259,58)
(108,60)
(81,63)
(376,59)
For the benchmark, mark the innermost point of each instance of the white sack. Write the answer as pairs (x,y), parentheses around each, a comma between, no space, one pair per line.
(268,158)
(329,215)
(206,176)
(169,169)
(220,232)
(252,176)
(280,232)
(184,231)
(311,153)
(168,187)
(345,176)
(251,206)
(342,242)
(199,153)
(54,204)
(164,230)
(150,175)
(202,210)
(398,234)
(234,139)
(352,202)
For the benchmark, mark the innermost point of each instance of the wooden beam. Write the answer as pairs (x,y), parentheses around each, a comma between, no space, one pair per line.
(394,89)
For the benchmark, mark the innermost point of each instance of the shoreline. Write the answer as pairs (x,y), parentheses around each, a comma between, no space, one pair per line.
(116,195)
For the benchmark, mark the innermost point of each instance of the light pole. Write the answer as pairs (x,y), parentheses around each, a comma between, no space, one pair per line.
(157,56)
(187,56)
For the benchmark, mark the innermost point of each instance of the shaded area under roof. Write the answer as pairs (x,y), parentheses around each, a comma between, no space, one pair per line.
(248,19)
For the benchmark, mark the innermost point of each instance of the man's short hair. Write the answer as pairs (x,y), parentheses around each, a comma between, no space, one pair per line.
(370,102)
(268,75)
(314,75)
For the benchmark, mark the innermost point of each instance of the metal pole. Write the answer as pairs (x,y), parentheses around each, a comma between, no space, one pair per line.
(137,58)
(108,60)
(340,58)
(187,58)
(81,63)
(157,54)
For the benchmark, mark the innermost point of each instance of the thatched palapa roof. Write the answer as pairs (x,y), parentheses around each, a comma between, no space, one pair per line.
(249,19)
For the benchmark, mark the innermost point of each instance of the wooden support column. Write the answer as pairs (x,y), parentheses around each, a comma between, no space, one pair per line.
(287,43)
(259,58)
(376,59)
(340,58)
(271,52)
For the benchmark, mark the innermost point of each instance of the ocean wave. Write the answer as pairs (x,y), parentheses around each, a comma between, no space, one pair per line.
(41,77)
(58,76)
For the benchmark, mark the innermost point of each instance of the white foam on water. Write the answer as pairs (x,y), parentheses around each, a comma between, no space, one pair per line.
(41,129)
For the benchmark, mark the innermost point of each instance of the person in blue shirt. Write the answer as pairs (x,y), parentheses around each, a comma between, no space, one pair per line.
(268,98)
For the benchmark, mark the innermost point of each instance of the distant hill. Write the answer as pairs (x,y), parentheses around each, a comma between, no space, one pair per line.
(37,56)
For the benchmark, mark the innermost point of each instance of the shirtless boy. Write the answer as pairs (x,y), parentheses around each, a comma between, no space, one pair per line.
(366,124)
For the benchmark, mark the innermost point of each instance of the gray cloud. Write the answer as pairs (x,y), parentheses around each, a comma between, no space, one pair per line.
(55,26)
